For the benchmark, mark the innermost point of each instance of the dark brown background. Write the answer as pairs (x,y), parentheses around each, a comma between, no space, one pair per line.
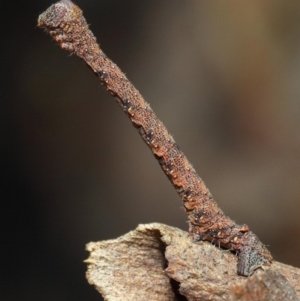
(224,78)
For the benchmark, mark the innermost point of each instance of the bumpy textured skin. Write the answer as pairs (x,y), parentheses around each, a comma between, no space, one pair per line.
(64,21)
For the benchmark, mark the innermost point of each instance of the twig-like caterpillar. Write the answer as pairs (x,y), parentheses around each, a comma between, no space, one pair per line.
(64,21)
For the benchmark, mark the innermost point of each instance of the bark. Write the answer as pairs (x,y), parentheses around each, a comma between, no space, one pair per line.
(159,262)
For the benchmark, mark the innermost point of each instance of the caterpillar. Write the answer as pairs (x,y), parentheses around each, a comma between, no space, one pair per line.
(65,23)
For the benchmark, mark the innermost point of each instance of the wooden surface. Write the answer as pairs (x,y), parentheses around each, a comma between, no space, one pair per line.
(159,262)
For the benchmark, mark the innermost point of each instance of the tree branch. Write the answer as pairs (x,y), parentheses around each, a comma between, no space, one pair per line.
(159,262)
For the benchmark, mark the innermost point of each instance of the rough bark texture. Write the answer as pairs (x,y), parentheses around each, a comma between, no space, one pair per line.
(159,262)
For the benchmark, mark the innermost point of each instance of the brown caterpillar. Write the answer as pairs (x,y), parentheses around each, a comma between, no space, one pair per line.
(64,21)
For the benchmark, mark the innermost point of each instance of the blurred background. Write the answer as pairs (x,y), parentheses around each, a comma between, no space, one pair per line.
(224,78)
